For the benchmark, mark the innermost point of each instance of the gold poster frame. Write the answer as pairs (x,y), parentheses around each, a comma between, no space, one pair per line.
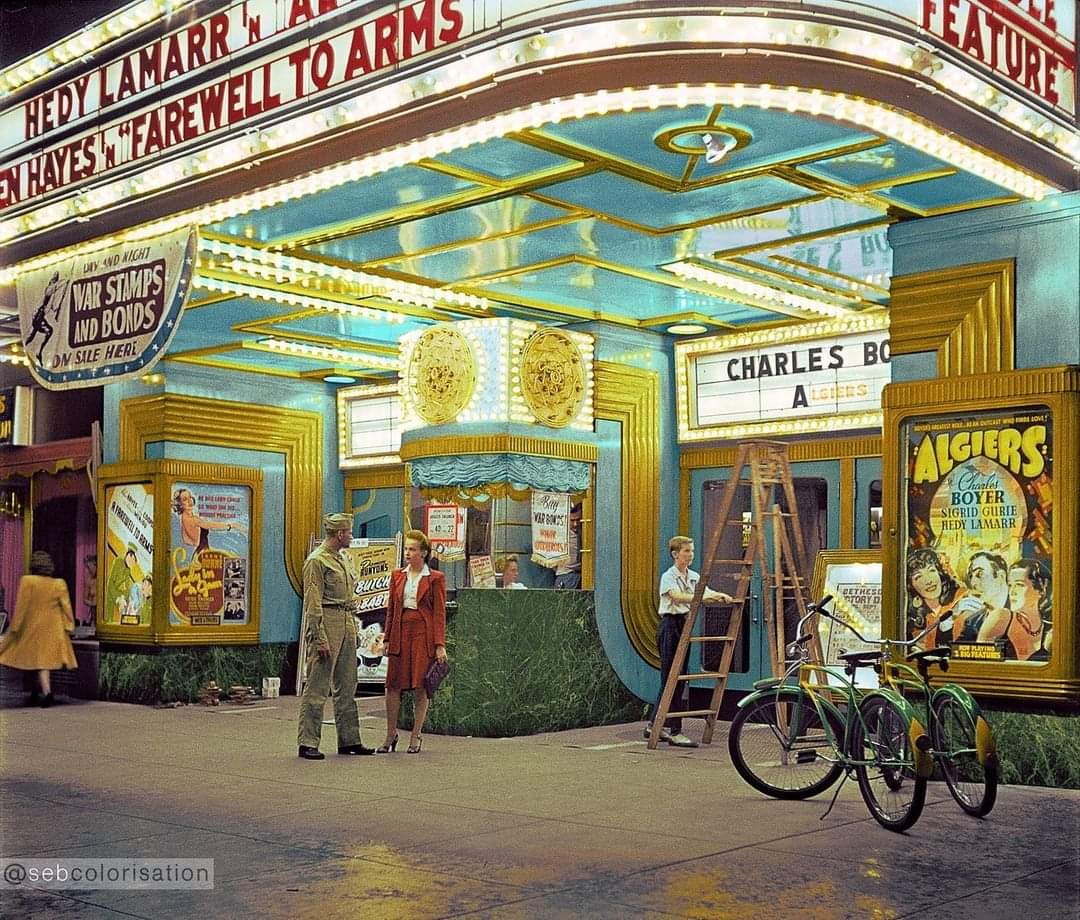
(1057,388)
(160,476)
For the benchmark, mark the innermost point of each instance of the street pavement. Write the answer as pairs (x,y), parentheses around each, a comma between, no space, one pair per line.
(584,823)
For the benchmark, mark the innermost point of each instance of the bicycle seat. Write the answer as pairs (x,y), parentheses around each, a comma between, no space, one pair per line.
(860,659)
(938,656)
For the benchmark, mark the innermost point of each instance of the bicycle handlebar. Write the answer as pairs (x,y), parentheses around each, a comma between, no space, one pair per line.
(819,609)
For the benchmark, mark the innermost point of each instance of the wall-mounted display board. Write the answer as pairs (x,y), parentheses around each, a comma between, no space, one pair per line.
(179,544)
(853,578)
(981,525)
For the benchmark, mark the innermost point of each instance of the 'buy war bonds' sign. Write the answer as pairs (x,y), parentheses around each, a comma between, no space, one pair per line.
(105,316)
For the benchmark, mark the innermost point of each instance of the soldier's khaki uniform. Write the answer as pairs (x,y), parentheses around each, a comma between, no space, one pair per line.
(328,615)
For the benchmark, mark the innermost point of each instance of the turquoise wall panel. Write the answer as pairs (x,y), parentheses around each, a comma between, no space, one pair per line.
(1044,239)
(280,613)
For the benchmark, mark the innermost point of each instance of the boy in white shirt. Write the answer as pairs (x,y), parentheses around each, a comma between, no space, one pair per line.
(677,587)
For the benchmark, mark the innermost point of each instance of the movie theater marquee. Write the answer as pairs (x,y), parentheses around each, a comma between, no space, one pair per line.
(731,387)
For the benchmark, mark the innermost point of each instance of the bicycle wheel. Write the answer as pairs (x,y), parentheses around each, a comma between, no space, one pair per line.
(973,785)
(888,781)
(780,746)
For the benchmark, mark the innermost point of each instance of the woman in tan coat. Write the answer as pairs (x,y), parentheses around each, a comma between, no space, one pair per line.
(39,637)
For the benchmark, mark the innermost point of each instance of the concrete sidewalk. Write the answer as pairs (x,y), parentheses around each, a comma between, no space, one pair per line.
(585,823)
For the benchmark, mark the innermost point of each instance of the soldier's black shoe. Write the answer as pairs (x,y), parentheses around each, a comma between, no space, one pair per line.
(311,753)
(354,749)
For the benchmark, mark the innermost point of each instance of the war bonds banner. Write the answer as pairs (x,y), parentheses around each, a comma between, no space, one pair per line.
(108,315)
(977,521)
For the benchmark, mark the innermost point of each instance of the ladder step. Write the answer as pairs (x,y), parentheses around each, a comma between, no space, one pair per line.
(701,675)
(713,638)
(691,712)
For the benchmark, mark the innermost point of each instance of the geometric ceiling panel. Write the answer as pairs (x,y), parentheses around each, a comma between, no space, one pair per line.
(581,286)
(866,167)
(349,330)
(463,226)
(774,137)
(640,204)
(777,226)
(486,257)
(404,187)
(946,193)
(503,159)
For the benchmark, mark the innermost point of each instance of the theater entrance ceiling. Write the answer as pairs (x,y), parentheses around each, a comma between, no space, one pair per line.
(617,217)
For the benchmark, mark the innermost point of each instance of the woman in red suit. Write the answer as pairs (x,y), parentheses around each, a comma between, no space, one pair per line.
(414,637)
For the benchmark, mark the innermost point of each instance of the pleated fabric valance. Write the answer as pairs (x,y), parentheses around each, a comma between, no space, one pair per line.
(521,472)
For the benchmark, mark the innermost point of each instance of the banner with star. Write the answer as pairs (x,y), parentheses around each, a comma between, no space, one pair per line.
(108,315)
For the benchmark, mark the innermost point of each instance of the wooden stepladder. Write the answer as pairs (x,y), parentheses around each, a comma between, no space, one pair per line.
(773,542)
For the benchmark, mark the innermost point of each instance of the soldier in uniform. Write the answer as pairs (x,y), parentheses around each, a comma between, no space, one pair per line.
(329,604)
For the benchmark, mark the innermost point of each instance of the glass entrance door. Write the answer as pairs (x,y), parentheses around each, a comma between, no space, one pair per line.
(817,493)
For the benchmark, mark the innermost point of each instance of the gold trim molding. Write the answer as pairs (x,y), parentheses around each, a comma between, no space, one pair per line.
(928,393)
(632,397)
(798,451)
(966,315)
(245,426)
(497,444)
(392,478)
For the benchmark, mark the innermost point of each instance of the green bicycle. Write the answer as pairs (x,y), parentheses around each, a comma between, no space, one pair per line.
(795,740)
(796,758)
(963,743)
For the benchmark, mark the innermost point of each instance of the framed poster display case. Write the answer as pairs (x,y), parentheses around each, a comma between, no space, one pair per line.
(179,548)
(980,532)
(853,578)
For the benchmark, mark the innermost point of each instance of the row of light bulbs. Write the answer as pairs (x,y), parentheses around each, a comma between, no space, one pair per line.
(86,42)
(275,295)
(734,286)
(812,425)
(340,356)
(282,268)
(573,40)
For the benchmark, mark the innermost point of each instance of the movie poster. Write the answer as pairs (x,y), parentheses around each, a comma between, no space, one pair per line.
(129,555)
(209,555)
(371,561)
(978,492)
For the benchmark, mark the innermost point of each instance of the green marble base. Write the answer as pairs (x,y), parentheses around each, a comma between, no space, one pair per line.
(178,674)
(525,662)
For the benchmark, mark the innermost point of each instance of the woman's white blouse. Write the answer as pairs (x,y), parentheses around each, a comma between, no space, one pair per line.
(412,585)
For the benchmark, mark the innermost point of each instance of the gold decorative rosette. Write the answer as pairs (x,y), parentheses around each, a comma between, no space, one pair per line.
(441,374)
(552,377)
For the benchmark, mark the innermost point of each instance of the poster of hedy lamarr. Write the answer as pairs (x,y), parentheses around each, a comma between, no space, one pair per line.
(979,492)
(107,315)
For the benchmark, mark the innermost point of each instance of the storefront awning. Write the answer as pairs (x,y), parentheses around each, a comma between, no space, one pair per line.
(53,457)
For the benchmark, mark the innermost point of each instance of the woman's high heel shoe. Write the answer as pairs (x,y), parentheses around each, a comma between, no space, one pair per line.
(388,747)
(415,748)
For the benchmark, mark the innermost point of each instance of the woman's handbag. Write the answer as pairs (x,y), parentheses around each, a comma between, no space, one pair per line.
(435,675)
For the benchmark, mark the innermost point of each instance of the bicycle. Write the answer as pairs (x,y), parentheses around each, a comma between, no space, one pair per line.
(793,741)
(963,743)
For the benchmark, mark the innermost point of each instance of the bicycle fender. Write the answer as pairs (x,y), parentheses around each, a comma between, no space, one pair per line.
(779,690)
(985,746)
(917,734)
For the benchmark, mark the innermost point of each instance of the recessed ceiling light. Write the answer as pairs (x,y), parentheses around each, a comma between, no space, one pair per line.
(687,329)
(338,378)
